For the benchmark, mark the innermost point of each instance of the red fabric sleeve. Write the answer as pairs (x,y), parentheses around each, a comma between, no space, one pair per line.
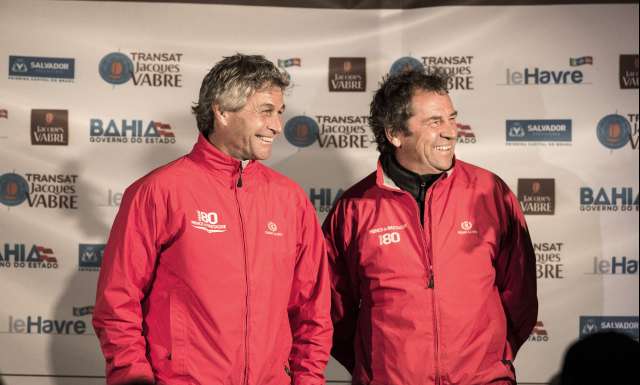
(309,304)
(345,298)
(127,267)
(516,274)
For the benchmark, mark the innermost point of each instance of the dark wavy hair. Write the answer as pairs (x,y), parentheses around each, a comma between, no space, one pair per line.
(230,82)
(391,104)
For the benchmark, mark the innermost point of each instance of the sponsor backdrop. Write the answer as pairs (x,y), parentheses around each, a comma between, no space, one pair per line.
(94,95)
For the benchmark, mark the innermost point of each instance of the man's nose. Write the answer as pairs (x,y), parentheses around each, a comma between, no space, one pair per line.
(275,123)
(450,130)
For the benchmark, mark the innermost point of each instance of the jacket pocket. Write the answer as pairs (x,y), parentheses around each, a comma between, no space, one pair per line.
(179,338)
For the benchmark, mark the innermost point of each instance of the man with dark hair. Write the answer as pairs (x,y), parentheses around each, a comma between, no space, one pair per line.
(215,271)
(432,267)
(606,357)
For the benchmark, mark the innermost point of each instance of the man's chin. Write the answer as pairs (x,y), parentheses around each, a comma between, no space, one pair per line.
(262,156)
(446,166)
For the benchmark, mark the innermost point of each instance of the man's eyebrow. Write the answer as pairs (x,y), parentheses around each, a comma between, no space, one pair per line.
(439,117)
(271,106)
(432,117)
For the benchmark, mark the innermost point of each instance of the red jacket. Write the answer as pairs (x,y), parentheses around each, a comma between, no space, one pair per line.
(391,327)
(212,276)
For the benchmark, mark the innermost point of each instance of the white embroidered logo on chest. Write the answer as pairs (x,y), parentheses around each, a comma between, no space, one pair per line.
(272,229)
(209,222)
(466,227)
(388,235)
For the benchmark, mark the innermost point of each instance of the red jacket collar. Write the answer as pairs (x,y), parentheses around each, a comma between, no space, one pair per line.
(384,181)
(208,156)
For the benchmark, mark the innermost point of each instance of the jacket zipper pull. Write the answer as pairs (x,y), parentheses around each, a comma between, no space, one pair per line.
(239,184)
(431,282)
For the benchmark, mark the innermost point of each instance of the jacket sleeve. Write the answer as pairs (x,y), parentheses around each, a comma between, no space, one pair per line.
(309,304)
(516,274)
(127,267)
(345,297)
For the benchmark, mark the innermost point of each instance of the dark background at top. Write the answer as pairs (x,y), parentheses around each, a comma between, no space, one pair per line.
(384,4)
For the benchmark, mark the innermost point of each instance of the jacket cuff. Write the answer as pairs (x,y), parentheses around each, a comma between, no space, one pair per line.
(133,374)
(305,379)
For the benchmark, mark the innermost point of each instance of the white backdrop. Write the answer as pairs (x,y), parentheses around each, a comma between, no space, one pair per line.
(579,290)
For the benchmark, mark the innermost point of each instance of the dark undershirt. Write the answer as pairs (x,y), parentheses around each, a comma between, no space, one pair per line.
(415,184)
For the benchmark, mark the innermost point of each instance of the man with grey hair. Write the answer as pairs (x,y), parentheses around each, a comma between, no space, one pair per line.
(215,271)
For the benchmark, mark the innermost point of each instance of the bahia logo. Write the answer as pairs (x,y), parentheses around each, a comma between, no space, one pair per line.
(542,77)
(549,260)
(52,191)
(41,68)
(33,257)
(615,131)
(539,333)
(330,131)
(135,131)
(629,71)
(151,69)
(591,324)
(465,134)
(405,64)
(323,198)
(609,199)
(38,324)
(90,256)
(614,266)
(538,132)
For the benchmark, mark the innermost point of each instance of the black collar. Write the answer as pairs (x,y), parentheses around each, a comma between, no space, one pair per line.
(407,180)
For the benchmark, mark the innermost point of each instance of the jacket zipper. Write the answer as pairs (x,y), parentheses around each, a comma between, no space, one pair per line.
(246,279)
(436,338)
(424,244)
(431,280)
(421,192)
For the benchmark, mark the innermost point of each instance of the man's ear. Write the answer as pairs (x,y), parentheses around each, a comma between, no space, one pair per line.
(392,137)
(219,115)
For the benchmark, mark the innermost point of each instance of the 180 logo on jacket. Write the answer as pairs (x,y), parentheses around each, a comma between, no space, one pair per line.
(208,221)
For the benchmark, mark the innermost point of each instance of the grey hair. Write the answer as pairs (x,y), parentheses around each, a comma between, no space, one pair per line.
(230,83)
